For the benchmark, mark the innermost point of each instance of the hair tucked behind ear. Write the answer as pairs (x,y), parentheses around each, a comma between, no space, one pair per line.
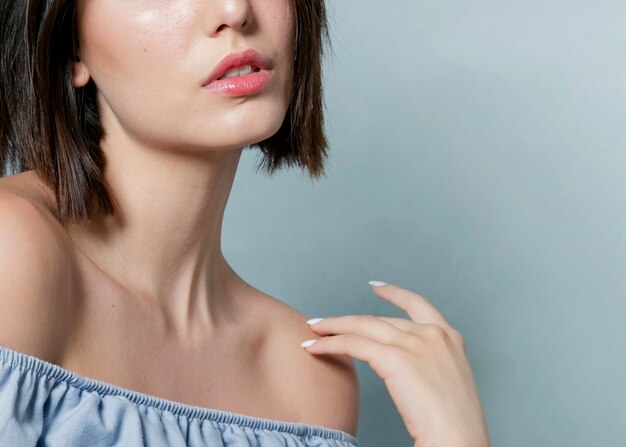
(49,126)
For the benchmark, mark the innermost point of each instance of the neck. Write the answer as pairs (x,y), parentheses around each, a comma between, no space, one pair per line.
(163,245)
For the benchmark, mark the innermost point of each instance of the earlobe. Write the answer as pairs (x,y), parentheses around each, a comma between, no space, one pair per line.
(80,74)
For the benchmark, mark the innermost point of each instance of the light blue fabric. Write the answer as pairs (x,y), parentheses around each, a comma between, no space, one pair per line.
(45,405)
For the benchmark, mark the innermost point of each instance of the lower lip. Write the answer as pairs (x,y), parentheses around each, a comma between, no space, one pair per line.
(241,85)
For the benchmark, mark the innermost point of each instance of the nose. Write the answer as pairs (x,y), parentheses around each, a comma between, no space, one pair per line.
(223,14)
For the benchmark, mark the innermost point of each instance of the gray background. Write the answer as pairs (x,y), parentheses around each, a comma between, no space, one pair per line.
(477,157)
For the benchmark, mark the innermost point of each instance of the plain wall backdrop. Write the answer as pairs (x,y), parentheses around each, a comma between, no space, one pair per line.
(478,157)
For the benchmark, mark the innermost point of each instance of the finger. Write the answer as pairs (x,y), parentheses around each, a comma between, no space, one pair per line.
(379,356)
(415,329)
(401,323)
(418,329)
(419,309)
(425,331)
(368,326)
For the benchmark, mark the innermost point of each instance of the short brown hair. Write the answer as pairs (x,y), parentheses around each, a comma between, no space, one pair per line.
(47,125)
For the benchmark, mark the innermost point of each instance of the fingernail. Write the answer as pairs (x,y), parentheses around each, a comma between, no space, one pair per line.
(307,343)
(377,283)
(313,321)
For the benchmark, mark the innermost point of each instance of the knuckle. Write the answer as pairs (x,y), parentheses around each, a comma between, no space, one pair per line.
(414,306)
(456,335)
(433,331)
(414,343)
(397,355)
(366,318)
(347,341)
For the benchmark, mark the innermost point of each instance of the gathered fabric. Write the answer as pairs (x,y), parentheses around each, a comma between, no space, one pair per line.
(45,405)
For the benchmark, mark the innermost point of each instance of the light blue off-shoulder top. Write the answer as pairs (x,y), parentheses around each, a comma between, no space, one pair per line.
(45,405)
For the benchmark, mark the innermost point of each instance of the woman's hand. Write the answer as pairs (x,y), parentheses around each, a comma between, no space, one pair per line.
(422,362)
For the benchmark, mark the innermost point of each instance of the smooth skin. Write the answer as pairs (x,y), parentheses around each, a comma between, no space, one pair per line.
(423,363)
(172,148)
(145,299)
(155,291)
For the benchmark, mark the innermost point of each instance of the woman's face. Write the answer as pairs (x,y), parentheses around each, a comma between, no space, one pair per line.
(150,58)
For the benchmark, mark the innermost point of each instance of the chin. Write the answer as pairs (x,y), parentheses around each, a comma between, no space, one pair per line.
(247,131)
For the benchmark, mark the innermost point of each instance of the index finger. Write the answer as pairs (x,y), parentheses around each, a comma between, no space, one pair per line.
(418,308)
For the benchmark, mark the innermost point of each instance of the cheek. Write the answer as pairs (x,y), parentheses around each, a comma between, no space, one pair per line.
(127,43)
(278,17)
(275,17)
(148,58)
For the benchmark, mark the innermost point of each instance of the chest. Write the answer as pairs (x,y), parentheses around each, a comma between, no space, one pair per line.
(229,371)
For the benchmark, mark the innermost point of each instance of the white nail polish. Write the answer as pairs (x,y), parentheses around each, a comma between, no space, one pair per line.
(307,343)
(377,283)
(313,321)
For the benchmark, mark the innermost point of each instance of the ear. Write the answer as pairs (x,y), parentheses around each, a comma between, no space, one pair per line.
(80,74)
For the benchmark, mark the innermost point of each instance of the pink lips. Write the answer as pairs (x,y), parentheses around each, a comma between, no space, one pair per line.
(240,85)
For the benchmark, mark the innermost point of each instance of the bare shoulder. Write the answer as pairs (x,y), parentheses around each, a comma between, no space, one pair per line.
(325,387)
(34,274)
(29,187)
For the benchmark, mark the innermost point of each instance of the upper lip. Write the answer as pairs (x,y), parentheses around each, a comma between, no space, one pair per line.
(232,60)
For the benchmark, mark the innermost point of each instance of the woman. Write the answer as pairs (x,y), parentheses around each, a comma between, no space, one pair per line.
(121,323)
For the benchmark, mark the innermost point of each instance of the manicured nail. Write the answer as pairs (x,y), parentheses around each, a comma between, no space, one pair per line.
(307,343)
(377,283)
(313,321)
